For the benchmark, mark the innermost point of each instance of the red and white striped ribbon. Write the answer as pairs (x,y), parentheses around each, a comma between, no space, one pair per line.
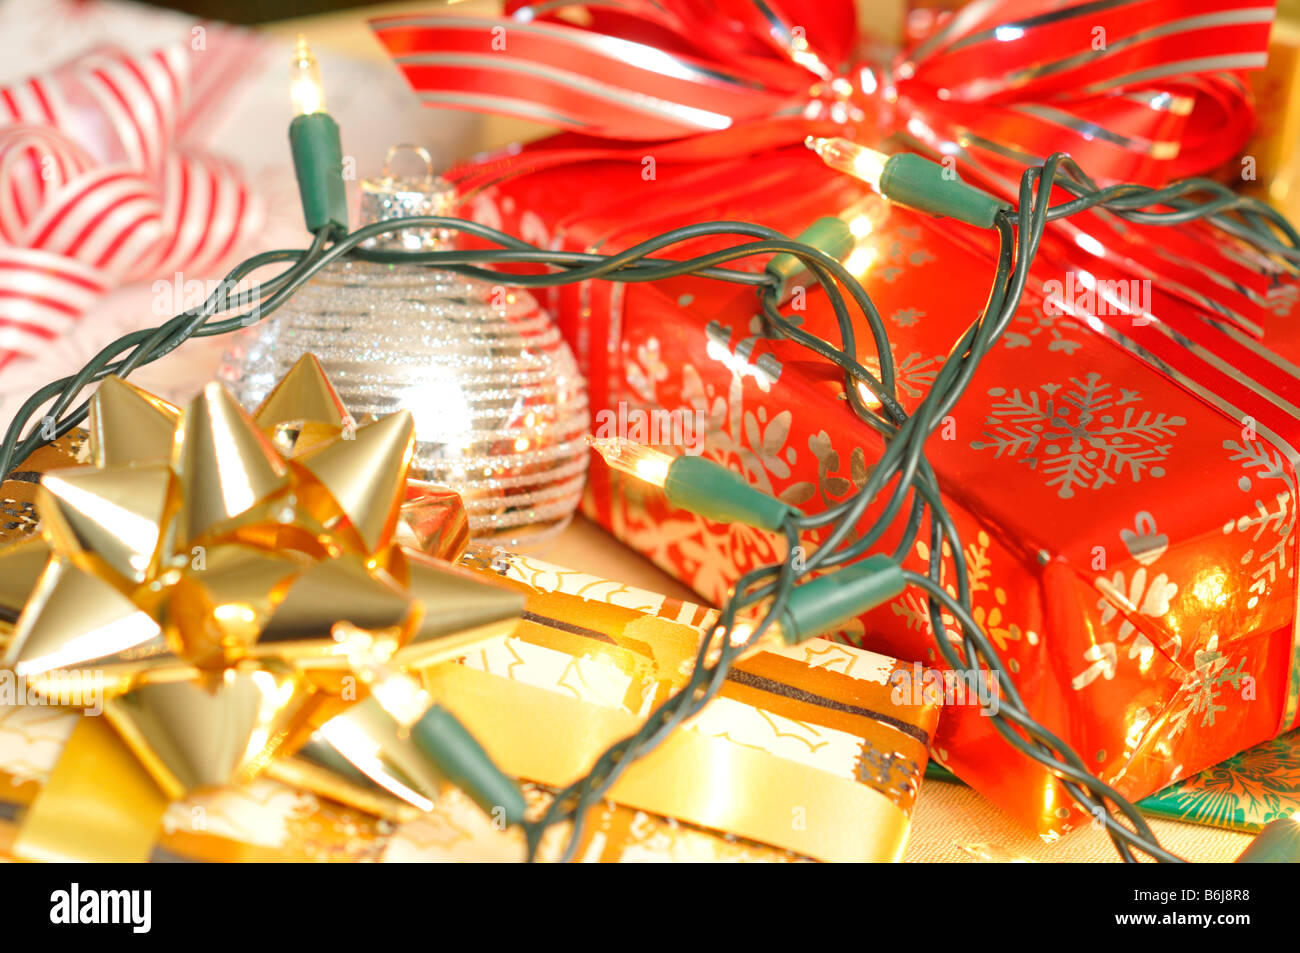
(41,295)
(96,189)
(35,163)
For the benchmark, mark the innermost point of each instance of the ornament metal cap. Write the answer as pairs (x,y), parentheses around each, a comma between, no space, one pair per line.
(393,196)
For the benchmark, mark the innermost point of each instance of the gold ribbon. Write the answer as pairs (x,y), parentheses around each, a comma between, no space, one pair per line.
(99,805)
(553,739)
(167,736)
(238,591)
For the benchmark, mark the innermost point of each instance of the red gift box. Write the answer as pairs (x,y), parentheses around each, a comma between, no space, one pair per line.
(1120,469)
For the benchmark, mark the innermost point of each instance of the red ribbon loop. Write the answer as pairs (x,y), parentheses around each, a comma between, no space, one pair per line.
(1137,91)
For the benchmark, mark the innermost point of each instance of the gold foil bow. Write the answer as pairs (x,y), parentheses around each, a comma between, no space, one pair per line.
(245,594)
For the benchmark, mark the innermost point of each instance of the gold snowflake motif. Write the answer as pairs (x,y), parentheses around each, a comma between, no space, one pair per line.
(1140,597)
(832,486)
(746,439)
(740,437)
(906,317)
(991,621)
(646,370)
(898,258)
(1139,592)
(913,375)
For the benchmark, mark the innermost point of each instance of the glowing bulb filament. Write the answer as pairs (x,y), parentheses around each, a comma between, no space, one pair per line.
(644,463)
(305,89)
(845,156)
(742,630)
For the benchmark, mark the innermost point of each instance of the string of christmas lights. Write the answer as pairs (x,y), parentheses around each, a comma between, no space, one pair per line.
(845,575)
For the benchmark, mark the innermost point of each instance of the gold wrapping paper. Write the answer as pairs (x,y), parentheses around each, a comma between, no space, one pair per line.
(837,795)
(828,793)
(1275,147)
(101,806)
(268,821)
(230,593)
(812,728)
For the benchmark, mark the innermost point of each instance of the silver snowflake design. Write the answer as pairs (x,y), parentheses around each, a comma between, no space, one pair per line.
(1201,687)
(1081,436)
(898,257)
(906,317)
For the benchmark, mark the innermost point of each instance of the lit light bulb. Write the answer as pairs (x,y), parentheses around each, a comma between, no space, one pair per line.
(698,484)
(846,156)
(305,89)
(864,216)
(402,697)
(742,630)
(868,398)
(860,261)
(914,181)
(860,226)
(644,463)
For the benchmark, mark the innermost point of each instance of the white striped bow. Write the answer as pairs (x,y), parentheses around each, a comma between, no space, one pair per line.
(98,187)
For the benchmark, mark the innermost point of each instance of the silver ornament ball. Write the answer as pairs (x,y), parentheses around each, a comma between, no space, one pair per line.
(500,408)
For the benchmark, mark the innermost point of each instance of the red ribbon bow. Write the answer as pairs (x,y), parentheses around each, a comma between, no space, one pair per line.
(1135,90)
(1140,91)
(96,191)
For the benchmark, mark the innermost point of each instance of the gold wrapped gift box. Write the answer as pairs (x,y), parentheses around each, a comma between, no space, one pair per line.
(812,728)
(1275,147)
(804,754)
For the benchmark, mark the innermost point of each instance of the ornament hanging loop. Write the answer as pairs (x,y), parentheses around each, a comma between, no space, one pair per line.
(419,152)
(393,195)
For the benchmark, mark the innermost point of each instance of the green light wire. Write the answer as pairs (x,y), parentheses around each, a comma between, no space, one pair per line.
(902,462)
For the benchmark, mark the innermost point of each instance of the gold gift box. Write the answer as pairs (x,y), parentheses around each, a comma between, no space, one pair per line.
(1274,146)
(804,755)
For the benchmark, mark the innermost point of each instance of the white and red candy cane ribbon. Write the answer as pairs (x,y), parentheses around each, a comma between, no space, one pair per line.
(95,190)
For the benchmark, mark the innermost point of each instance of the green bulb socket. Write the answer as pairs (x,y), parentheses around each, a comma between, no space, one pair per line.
(711,490)
(830,602)
(912,180)
(453,749)
(318,165)
(829,234)
(1278,842)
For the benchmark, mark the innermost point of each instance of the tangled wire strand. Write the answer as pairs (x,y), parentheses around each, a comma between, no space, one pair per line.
(902,480)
